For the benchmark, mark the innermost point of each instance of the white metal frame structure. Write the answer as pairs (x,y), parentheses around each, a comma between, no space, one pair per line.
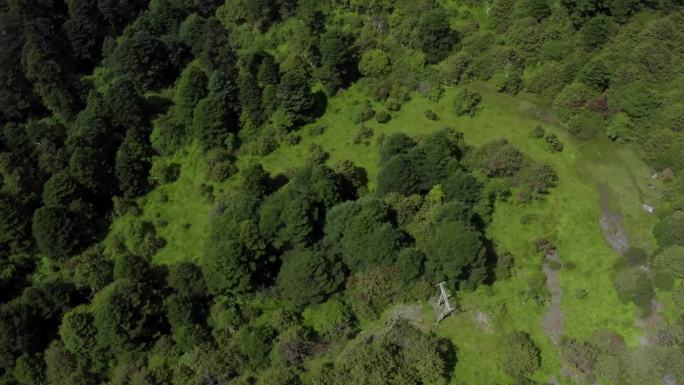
(443,305)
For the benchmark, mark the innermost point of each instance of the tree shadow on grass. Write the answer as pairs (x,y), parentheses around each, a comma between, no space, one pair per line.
(320,104)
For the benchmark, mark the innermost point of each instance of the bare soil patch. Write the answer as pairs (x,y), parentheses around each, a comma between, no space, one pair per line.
(611,224)
(554,319)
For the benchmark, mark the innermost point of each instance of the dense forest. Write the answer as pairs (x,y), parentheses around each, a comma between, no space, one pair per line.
(100,98)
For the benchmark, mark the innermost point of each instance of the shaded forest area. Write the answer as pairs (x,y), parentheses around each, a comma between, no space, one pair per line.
(93,90)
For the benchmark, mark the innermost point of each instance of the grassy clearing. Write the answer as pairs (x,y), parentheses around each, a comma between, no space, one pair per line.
(569,216)
(182,206)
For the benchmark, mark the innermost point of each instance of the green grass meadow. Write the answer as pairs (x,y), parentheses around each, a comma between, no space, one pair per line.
(569,216)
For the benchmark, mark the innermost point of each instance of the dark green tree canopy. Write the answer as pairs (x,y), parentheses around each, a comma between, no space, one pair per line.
(364,233)
(145,58)
(188,194)
(226,266)
(294,92)
(456,250)
(56,232)
(192,87)
(395,144)
(435,36)
(78,331)
(337,66)
(124,315)
(294,214)
(187,280)
(670,230)
(133,163)
(132,267)
(307,277)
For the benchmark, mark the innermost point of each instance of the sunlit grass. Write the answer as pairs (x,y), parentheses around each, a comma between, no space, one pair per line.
(569,216)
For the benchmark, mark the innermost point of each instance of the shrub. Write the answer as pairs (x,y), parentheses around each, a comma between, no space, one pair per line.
(207,192)
(633,284)
(431,115)
(537,132)
(466,103)
(371,291)
(219,163)
(456,67)
(571,100)
(670,230)
(671,261)
(383,117)
(663,280)
(585,124)
(163,172)
(636,256)
(663,149)
(504,266)
(520,355)
(263,145)
(581,355)
(317,129)
(333,320)
(393,106)
(509,83)
(317,154)
(366,114)
(553,144)
(499,158)
(678,296)
(546,80)
(374,63)
(536,181)
(170,134)
(620,128)
(363,134)
(544,245)
(293,346)
(636,99)
(581,293)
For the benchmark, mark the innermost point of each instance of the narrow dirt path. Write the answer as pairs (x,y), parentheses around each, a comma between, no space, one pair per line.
(554,319)
(611,224)
(649,325)
(553,322)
